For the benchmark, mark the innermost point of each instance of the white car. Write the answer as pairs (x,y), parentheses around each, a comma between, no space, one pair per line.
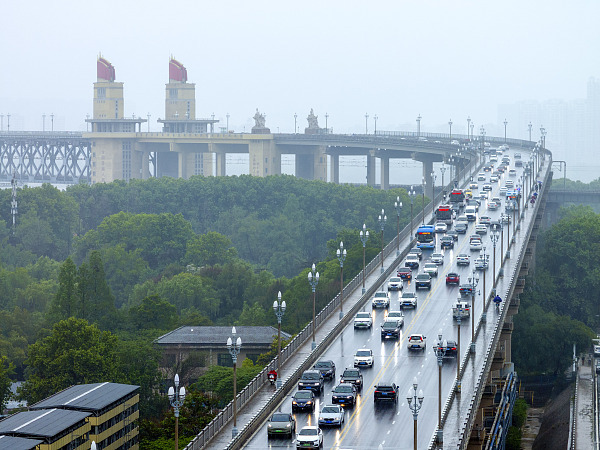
(363,320)
(363,358)
(461,308)
(494,179)
(309,437)
(512,173)
(503,190)
(437,258)
(397,315)
(481,229)
(510,183)
(417,342)
(475,244)
(331,415)
(431,269)
(462,259)
(481,263)
(441,227)
(381,299)
(395,284)
(487,186)
(412,261)
(408,300)
(492,205)
(485,220)
(481,176)
(473,186)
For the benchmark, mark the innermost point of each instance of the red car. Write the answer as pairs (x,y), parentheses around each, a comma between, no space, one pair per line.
(405,273)
(452,278)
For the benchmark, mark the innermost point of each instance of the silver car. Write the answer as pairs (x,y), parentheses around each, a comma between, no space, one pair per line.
(332,415)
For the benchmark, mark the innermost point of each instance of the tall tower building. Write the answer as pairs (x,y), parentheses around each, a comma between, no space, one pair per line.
(108,93)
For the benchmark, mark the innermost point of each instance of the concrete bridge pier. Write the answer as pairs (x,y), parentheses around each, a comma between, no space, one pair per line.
(371,163)
(427,161)
(311,164)
(264,158)
(334,169)
(385,172)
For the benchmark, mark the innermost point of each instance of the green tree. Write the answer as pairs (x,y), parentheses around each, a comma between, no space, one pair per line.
(74,353)
(96,301)
(66,299)
(209,249)
(153,313)
(6,372)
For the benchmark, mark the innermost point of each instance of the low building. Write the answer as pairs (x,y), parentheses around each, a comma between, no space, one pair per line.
(203,346)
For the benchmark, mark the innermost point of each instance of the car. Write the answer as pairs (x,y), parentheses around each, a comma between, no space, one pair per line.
(466,289)
(518,163)
(598,366)
(453,234)
(412,261)
(381,299)
(417,251)
(481,263)
(503,190)
(495,225)
(461,227)
(461,309)
(487,186)
(309,437)
(481,228)
(509,184)
(405,273)
(505,218)
(363,357)
(471,213)
(352,376)
(512,173)
(493,159)
(484,196)
(497,200)
(447,242)
(501,168)
(417,342)
(385,392)
(463,259)
(438,258)
(326,367)
(311,379)
(596,350)
(303,399)
(281,424)
(448,351)
(475,244)
(431,269)
(441,227)
(473,186)
(462,219)
(395,284)
(493,179)
(408,300)
(390,328)
(492,205)
(331,415)
(398,315)
(487,169)
(344,394)
(423,280)
(452,278)
(363,319)
(481,176)
(485,220)
(517,156)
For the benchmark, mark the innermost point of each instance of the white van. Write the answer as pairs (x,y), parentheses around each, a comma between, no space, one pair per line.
(471,213)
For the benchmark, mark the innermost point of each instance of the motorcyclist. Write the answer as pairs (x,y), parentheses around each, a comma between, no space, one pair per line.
(272,375)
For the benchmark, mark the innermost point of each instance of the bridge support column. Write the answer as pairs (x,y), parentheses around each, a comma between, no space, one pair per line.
(221,158)
(264,158)
(334,169)
(371,161)
(312,165)
(385,172)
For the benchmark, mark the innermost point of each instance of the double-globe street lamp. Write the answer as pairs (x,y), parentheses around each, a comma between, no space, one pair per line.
(411,194)
(415,402)
(433,178)
(382,219)
(279,308)
(485,266)
(313,280)
(176,398)
(440,351)
(459,314)
(443,170)
(234,345)
(398,207)
(364,237)
(341,256)
(473,281)
(423,199)
(494,236)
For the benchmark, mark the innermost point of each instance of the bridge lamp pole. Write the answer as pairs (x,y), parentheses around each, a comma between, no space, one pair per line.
(313,280)
(505,123)
(341,256)
(486,259)
(52,121)
(326,128)
(8,120)
(375,118)
(279,308)
(398,207)
(382,219)
(415,402)
(494,237)
(530,126)
(472,126)
(440,353)
(176,398)
(501,271)
(450,125)
(473,281)
(459,310)
(433,178)
(234,346)
(227,115)
(514,205)
(295,123)
(468,126)
(419,125)
(364,237)
(423,199)
(411,194)
(366,123)
(443,170)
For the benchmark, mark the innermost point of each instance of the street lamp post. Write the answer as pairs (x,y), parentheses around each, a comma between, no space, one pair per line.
(364,237)
(440,352)
(505,123)
(279,308)
(419,125)
(423,199)
(375,119)
(382,220)
(366,123)
(468,126)
(176,398)
(326,128)
(234,346)
(398,206)
(530,127)
(443,169)
(227,115)
(474,281)
(459,311)
(412,194)
(450,125)
(486,259)
(8,120)
(313,280)
(433,178)
(295,121)
(494,237)
(341,256)
(414,403)
(52,120)
(472,126)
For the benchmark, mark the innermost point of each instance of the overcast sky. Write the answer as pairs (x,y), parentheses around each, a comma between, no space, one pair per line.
(397,59)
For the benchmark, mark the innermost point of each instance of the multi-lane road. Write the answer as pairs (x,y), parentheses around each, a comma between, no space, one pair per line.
(367,426)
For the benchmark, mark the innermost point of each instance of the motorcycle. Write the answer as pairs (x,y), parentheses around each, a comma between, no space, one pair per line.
(272,375)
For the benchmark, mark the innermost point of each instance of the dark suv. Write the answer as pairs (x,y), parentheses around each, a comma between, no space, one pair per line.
(390,329)
(450,351)
(385,392)
(311,379)
(423,280)
(326,367)
(352,376)
(303,399)
(344,394)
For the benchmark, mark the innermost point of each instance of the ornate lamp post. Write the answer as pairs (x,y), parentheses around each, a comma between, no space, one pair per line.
(419,125)
(375,119)
(486,259)
(411,194)
(326,117)
(472,126)
(398,207)
(366,123)
(176,398)
(473,281)
(234,346)
(505,123)
(530,126)
(450,125)
(279,308)
(382,219)
(414,403)
(468,126)
(443,170)
(459,310)
(313,280)
(433,178)
(440,352)
(341,256)
(423,199)
(364,237)
(295,121)
(494,236)
(514,208)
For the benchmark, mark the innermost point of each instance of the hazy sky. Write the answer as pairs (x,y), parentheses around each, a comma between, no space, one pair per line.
(442,59)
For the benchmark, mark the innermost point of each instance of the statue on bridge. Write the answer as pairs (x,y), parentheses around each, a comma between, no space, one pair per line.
(259,127)
(313,121)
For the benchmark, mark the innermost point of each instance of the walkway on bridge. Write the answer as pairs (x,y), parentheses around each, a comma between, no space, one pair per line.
(584,407)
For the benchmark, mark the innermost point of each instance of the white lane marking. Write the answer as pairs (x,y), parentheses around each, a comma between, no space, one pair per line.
(389,431)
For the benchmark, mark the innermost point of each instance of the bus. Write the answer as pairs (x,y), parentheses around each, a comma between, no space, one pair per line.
(457,196)
(426,237)
(444,214)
